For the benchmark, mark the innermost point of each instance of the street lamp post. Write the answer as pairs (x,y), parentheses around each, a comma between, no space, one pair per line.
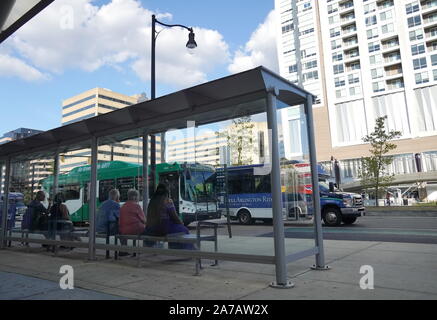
(191,44)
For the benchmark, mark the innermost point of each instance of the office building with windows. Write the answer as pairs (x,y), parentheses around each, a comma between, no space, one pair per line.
(376,58)
(31,172)
(211,147)
(92,103)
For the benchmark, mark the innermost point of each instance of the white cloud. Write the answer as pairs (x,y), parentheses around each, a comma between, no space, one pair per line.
(72,34)
(260,49)
(13,67)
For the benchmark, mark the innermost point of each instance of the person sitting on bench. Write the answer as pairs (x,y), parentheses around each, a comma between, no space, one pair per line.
(59,221)
(162,218)
(132,219)
(109,213)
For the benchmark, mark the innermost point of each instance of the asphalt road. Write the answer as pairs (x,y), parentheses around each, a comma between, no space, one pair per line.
(384,229)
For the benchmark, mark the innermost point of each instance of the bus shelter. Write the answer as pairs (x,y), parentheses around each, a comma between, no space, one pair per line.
(89,147)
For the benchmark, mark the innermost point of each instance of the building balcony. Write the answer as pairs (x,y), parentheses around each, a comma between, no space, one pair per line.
(349,34)
(431,47)
(392,61)
(393,76)
(430,21)
(429,7)
(347,20)
(399,87)
(431,36)
(382,4)
(390,48)
(350,44)
(345,9)
(388,36)
(348,59)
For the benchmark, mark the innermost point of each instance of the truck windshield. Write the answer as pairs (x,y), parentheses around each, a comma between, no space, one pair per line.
(324,187)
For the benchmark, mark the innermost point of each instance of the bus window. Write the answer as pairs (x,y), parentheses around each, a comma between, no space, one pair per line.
(70,192)
(263,184)
(241,182)
(104,187)
(124,185)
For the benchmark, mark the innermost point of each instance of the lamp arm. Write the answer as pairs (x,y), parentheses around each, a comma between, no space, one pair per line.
(174,25)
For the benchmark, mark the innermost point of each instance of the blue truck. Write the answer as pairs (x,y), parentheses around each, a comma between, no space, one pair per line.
(16,210)
(338,206)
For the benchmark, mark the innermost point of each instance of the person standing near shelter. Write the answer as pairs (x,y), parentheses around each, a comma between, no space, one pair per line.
(109,214)
(36,216)
(132,219)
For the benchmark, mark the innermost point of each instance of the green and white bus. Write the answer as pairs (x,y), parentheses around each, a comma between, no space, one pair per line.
(191,188)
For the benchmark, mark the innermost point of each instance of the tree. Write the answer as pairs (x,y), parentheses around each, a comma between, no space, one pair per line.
(240,140)
(373,171)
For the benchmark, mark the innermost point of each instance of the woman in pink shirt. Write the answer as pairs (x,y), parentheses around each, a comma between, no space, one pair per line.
(132,219)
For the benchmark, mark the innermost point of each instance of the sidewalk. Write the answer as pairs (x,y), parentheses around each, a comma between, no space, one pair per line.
(402,271)
(18,287)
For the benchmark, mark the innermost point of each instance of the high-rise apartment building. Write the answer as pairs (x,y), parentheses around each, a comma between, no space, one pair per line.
(92,103)
(374,58)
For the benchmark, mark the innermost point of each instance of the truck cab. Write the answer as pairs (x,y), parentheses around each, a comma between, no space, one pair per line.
(338,206)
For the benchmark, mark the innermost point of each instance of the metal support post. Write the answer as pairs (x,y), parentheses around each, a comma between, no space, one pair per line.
(318,232)
(1,176)
(5,208)
(55,176)
(145,172)
(93,201)
(278,223)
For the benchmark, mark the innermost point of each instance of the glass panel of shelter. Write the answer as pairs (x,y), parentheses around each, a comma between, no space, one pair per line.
(296,179)
(47,211)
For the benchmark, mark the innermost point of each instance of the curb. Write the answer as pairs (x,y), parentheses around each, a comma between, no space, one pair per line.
(428,214)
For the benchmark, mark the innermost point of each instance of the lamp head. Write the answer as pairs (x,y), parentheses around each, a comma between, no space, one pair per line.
(191,44)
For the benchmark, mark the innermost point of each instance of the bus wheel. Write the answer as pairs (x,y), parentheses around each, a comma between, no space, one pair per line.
(244,217)
(349,220)
(332,217)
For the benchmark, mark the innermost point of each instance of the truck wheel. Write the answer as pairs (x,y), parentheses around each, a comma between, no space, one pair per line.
(244,217)
(349,220)
(332,217)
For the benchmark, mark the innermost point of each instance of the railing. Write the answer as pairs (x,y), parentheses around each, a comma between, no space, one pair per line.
(430,19)
(390,73)
(429,4)
(392,59)
(348,18)
(389,45)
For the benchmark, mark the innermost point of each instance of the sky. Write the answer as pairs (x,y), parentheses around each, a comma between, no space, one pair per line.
(76,45)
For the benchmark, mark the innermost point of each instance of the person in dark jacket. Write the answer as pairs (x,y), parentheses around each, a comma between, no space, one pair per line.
(59,219)
(39,213)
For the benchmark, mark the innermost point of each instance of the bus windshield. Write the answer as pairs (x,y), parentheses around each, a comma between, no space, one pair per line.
(198,186)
